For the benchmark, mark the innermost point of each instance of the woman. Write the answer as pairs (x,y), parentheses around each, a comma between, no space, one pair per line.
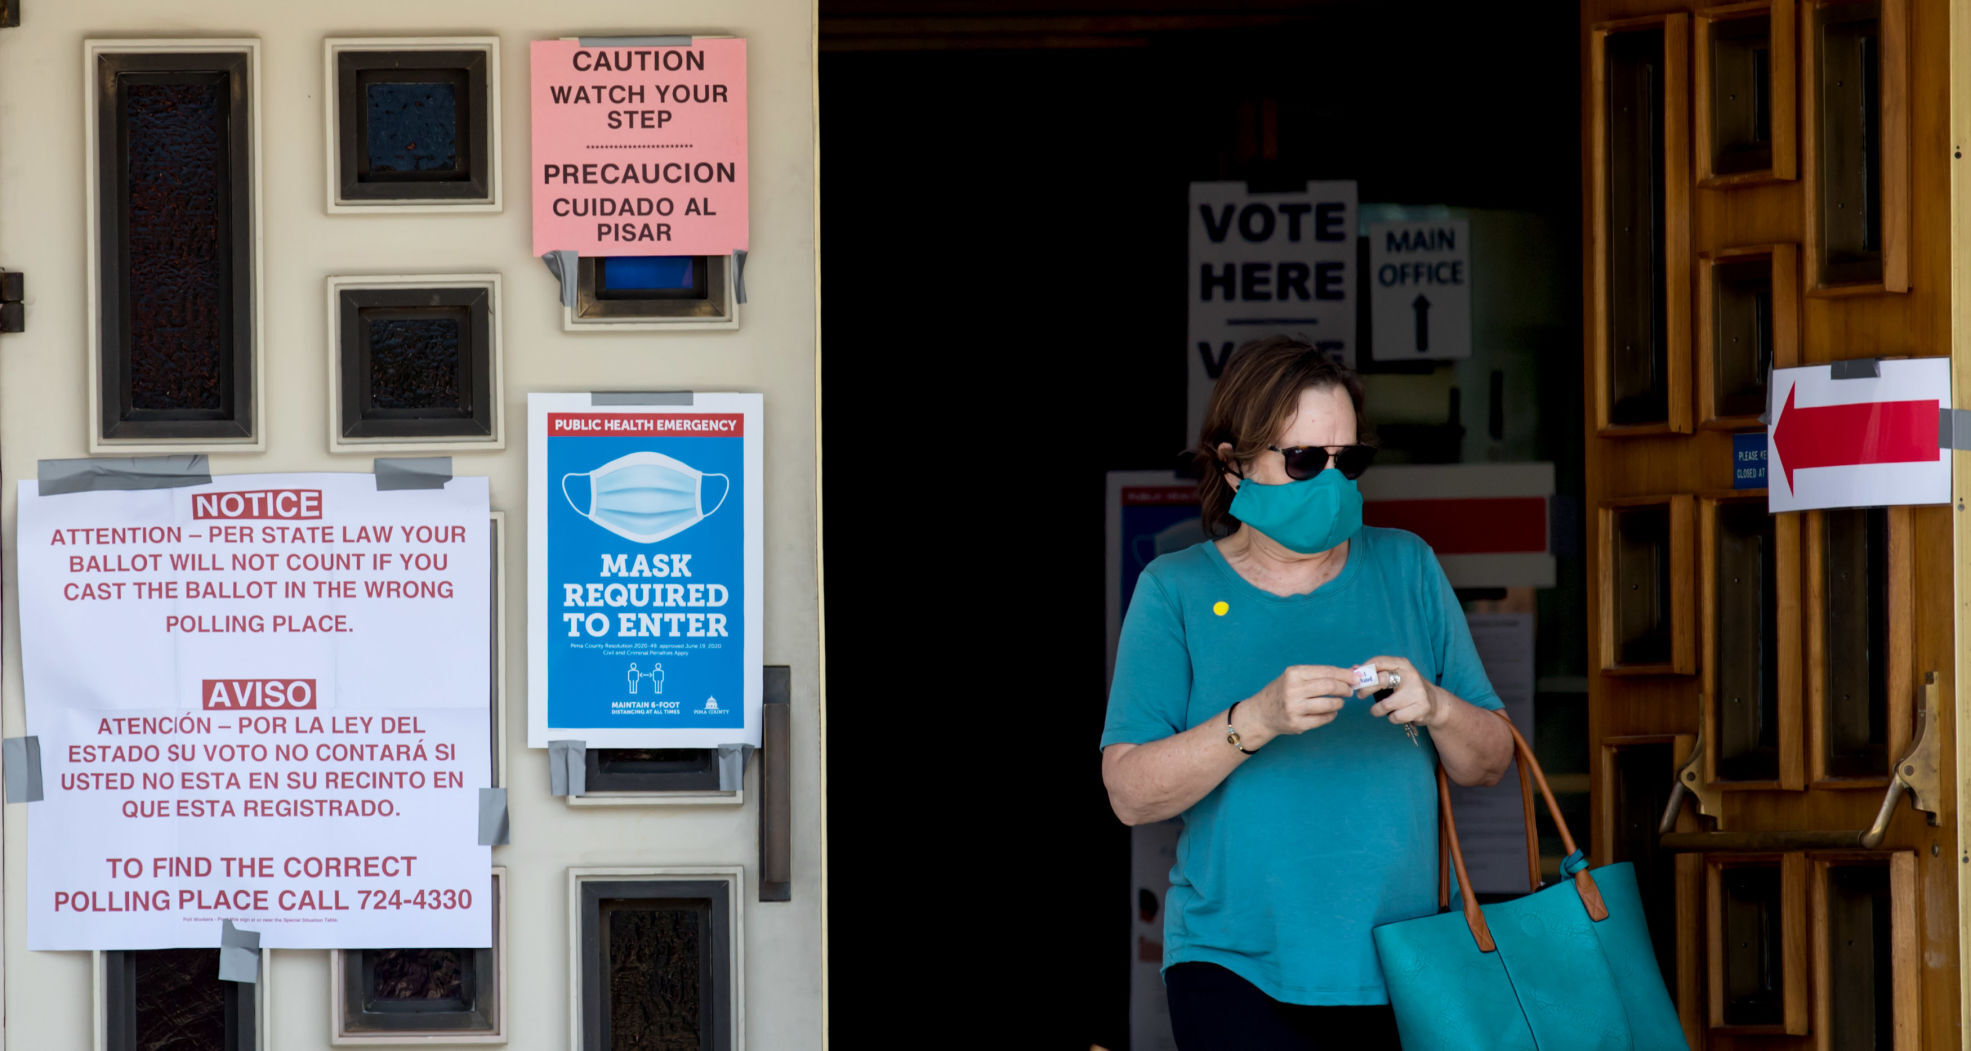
(1308,794)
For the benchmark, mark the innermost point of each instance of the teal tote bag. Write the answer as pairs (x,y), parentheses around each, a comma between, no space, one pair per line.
(1565,968)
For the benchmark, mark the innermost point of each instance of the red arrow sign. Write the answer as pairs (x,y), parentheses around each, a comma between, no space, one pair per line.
(1851,435)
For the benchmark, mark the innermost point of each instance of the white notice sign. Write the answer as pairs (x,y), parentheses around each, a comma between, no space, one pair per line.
(1264,264)
(1420,298)
(264,699)
(1867,441)
(1492,821)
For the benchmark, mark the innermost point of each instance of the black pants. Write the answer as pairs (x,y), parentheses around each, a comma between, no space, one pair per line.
(1212,1009)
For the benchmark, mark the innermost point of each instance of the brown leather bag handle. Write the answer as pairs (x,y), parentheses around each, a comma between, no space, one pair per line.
(1584,884)
(1532,841)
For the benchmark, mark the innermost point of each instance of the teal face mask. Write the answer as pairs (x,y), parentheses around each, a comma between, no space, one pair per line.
(1309,516)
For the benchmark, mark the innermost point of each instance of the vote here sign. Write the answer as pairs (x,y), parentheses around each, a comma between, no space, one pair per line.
(264,699)
(1264,264)
(639,149)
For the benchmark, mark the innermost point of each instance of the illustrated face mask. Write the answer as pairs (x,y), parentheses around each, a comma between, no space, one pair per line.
(644,497)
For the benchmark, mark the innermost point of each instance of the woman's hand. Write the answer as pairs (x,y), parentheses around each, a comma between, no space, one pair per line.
(1303,698)
(1415,700)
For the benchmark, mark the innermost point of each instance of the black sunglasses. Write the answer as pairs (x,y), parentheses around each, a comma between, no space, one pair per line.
(1306,461)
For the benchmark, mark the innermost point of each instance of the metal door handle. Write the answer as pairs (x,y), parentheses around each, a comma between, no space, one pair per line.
(1917,772)
(1915,775)
(1690,782)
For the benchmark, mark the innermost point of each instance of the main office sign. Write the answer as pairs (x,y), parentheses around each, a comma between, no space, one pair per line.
(264,699)
(639,148)
(1267,264)
(644,585)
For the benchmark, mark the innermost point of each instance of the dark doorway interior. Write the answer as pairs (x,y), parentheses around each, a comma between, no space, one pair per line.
(1003,201)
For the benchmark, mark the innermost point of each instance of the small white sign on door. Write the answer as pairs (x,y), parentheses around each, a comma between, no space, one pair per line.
(1865,441)
(1420,290)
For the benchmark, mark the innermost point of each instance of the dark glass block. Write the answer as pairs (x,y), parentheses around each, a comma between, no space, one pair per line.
(647,273)
(414,363)
(655,976)
(1746,684)
(620,756)
(181,1004)
(413,127)
(176,247)
(1855,612)
(417,974)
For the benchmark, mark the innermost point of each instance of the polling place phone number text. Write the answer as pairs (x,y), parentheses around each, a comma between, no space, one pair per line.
(429,900)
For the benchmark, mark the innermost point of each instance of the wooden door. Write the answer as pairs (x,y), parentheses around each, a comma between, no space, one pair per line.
(1754,177)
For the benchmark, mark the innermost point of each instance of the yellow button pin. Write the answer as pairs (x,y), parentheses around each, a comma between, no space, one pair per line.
(1220,608)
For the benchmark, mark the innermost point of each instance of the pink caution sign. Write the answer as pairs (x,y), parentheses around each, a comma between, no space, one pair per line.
(639,150)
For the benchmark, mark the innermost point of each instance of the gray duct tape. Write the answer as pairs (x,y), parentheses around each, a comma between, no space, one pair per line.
(239,954)
(413,472)
(634,41)
(739,274)
(121,472)
(640,397)
(1954,429)
(1855,369)
(492,818)
(21,756)
(568,771)
(562,265)
(732,766)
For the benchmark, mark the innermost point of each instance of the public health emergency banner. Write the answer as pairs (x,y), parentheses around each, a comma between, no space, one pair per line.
(644,587)
(262,699)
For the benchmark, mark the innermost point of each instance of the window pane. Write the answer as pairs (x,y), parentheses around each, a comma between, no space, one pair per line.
(1637,304)
(645,273)
(176,241)
(181,1004)
(1855,572)
(656,974)
(399,975)
(412,127)
(414,362)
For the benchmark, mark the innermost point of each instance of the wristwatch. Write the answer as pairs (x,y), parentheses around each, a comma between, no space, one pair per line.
(1232,735)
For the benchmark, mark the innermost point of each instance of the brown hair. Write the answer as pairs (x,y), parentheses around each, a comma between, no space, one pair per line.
(1256,396)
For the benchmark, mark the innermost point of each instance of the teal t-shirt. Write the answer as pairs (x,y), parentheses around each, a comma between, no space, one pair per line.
(1283,869)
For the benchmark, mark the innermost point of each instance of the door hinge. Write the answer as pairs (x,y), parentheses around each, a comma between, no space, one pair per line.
(13,315)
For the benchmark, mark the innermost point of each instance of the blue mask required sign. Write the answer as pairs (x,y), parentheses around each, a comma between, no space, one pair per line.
(643,614)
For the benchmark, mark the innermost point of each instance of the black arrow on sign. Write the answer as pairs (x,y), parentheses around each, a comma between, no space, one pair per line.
(1422,306)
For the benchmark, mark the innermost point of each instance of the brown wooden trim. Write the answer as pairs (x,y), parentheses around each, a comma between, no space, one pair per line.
(1793,941)
(1901,659)
(1692,949)
(1895,147)
(1781,69)
(1676,227)
(1683,544)
(1601,830)
(1904,949)
(1785,260)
